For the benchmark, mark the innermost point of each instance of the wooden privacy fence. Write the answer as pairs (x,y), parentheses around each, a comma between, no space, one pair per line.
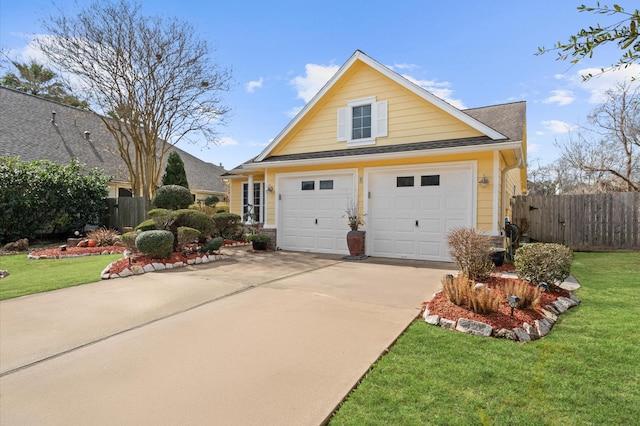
(125,211)
(584,222)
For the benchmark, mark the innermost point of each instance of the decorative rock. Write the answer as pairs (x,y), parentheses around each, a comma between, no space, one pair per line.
(425,313)
(198,260)
(112,276)
(530,330)
(575,298)
(137,269)
(191,261)
(158,266)
(4,273)
(178,264)
(479,286)
(567,301)
(205,259)
(148,267)
(474,327)
(549,316)
(125,273)
(522,335)
(552,309)
(560,306)
(105,276)
(105,252)
(447,323)
(168,265)
(432,319)
(506,334)
(543,327)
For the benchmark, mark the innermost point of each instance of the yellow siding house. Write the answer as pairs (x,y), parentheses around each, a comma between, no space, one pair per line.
(415,165)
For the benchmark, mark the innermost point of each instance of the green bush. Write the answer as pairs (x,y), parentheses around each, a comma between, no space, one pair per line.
(173,197)
(211,201)
(161,217)
(471,250)
(213,244)
(43,196)
(129,240)
(258,238)
(186,235)
(193,219)
(228,225)
(156,243)
(147,225)
(543,262)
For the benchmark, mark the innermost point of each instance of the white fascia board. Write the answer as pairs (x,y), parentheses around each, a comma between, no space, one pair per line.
(429,97)
(517,146)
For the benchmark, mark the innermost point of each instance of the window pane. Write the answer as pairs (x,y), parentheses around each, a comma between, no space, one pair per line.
(361,122)
(403,181)
(326,184)
(366,132)
(430,180)
(357,134)
(308,185)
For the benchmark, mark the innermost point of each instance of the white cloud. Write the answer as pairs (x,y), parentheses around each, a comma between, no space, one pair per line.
(561,97)
(601,82)
(254,84)
(227,141)
(403,66)
(557,126)
(440,89)
(316,76)
(533,147)
(539,133)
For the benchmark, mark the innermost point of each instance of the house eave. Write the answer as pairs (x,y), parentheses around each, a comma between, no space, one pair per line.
(497,146)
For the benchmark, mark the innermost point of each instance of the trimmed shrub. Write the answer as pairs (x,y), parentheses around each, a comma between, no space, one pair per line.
(186,235)
(213,244)
(471,250)
(211,201)
(161,217)
(129,240)
(147,225)
(156,243)
(193,219)
(104,237)
(258,238)
(228,225)
(173,197)
(543,262)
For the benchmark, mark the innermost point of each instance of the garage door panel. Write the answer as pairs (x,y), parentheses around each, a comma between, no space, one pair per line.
(313,220)
(438,205)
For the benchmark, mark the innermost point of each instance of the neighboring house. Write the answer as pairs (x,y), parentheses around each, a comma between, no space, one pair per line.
(416,166)
(34,128)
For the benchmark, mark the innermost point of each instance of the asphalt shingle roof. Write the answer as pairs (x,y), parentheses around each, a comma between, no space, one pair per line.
(27,131)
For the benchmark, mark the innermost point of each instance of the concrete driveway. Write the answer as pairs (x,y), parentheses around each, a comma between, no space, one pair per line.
(258,338)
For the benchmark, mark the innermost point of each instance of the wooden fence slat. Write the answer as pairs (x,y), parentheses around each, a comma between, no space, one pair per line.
(591,221)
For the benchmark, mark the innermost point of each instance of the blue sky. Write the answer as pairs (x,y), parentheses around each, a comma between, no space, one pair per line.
(470,53)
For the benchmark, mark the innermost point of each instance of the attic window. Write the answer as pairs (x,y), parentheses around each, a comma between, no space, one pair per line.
(362,121)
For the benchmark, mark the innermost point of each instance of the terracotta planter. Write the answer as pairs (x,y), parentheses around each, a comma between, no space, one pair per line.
(355,242)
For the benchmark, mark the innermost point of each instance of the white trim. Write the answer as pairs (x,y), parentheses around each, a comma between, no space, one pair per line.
(388,155)
(427,96)
(495,231)
(471,165)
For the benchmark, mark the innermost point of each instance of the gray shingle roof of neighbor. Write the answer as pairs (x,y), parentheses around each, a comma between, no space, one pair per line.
(27,131)
(507,119)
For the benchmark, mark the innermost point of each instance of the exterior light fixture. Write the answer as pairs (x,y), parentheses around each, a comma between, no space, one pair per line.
(269,188)
(543,286)
(513,302)
(483,181)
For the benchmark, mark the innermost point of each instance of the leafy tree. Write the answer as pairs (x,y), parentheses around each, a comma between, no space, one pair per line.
(151,74)
(174,174)
(36,79)
(624,32)
(43,196)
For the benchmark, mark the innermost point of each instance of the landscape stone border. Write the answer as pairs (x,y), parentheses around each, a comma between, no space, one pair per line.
(65,256)
(158,266)
(528,332)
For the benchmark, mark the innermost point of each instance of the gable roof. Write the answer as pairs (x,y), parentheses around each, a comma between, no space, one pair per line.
(427,96)
(27,131)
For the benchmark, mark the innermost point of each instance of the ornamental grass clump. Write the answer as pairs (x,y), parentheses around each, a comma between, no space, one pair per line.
(456,288)
(543,262)
(471,250)
(462,291)
(528,294)
(104,237)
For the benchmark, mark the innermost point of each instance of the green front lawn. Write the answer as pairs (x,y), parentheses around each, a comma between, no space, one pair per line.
(28,276)
(586,371)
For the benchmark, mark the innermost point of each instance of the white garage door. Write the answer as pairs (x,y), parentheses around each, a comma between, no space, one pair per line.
(312,210)
(410,211)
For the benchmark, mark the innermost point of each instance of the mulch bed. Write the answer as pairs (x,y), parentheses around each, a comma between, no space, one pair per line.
(440,305)
(57,252)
